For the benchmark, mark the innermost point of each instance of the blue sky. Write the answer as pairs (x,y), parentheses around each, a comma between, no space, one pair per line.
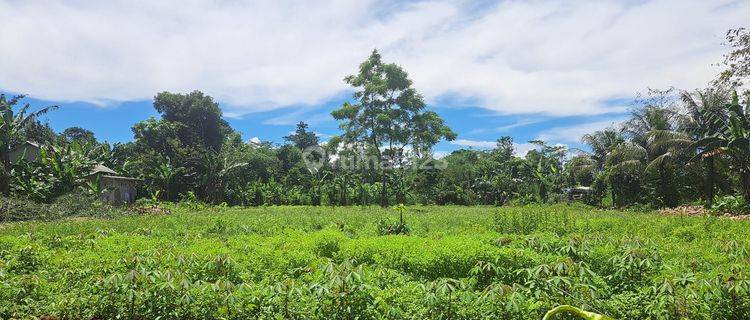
(478,127)
(528,69)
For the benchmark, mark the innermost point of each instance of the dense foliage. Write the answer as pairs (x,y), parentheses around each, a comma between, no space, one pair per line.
(678,147)
(333,263)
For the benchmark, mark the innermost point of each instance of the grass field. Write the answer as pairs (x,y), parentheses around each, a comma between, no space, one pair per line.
(335,263)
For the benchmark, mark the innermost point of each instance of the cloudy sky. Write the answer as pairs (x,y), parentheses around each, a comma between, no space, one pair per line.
(529,69)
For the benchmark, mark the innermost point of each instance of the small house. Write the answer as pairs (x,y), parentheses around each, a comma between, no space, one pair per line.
(29,151)
(119,189)
(577,193)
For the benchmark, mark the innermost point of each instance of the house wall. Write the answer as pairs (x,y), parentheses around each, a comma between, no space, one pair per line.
(121,191)
(28,152)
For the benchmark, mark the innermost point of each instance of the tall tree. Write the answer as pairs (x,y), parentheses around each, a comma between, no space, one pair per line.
(302,138)
(11,125)
(602,142)
(80,135)
(652,127)
(697,122)
(198,118)
(737,61)
(732,140)
(38,132)
(388,119)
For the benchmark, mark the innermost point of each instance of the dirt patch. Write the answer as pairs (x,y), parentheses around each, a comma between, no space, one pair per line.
(699,211)
(152,209)
(685,211)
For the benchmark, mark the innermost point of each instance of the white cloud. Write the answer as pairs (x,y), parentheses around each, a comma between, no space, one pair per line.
(575,132)
(255,140)
(294,117)
(520,149)
(474,143)
(440,154)
(505,128)
(516,57)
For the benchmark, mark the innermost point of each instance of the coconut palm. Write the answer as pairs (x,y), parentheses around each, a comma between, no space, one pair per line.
(602,143)
(731,139)
(624,171)
(11,125)
(653,128)
(697,122)
(665,149)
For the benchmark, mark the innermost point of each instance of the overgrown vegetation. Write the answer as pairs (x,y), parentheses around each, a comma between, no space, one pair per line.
(678,147)
(324,263)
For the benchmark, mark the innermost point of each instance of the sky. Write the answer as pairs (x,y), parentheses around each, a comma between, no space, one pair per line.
(550,70)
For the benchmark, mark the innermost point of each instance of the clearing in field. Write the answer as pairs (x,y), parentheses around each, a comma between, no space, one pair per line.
(342,263)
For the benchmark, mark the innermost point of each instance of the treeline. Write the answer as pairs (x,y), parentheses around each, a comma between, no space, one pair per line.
(677,147)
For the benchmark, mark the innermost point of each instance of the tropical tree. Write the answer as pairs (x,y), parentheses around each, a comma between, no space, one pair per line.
(665,149)
(737,61)
(302,138)
(11,125)
(652,126)
(79,134)
(731,139)
(214,170)
(197,118)
(546,162)
(59,170)
(625,166)
(388,119)
(602,142)
(698,123)
(164,178)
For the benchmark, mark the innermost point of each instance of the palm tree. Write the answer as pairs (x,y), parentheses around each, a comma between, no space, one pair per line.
(698,123)
(664,149)
(624,171)
(10,127)
(602,143)
(731,139)
(652,128)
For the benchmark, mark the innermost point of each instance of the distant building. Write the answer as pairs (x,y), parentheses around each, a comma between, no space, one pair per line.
(119,189)
(578,193)
(28,150)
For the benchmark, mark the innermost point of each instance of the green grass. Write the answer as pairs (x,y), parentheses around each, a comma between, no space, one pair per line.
(332,263)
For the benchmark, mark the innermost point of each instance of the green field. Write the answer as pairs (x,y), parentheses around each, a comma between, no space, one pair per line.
(334,263)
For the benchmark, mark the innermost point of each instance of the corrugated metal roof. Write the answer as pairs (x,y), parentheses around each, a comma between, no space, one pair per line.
(100,168)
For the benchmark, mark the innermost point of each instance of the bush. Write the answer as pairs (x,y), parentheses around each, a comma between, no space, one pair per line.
(73,204)
(731,204)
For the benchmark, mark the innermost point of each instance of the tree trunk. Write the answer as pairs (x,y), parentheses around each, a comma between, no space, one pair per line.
(7,119)
(745,182)
(710,181)
(5,170)
(384,189)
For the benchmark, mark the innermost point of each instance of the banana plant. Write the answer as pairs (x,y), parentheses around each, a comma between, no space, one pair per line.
(731,140)
(60,169)
(164,178)
(94,187)
(11,125)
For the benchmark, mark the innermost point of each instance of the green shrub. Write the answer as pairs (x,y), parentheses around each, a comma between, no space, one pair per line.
(73,204)
(731,204)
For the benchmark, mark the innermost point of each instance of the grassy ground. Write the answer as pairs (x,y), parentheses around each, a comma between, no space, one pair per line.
(327,263)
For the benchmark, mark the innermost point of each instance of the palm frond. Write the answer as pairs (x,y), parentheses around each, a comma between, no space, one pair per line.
(658,161)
